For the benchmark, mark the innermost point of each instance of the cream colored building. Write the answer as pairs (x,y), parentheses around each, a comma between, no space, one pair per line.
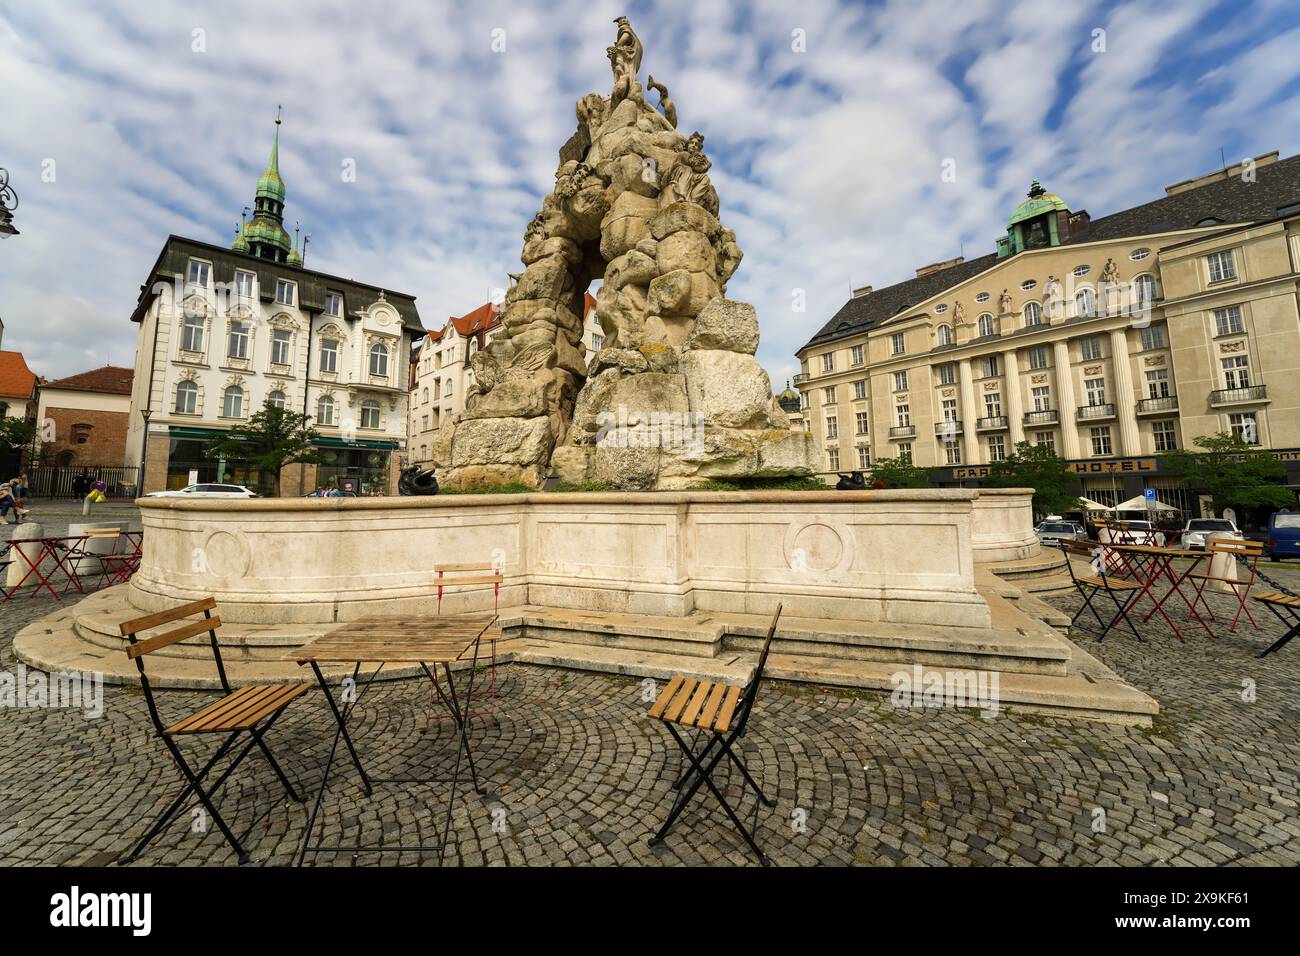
(442,377)
(1111,340)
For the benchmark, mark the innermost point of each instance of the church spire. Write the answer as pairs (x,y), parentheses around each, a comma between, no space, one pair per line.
(264,235)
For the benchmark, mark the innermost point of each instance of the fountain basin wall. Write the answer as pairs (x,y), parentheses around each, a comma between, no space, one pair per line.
(900,556)
(1004,525)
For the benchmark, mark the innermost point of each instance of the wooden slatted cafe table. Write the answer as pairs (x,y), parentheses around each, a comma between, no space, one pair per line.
(390,639)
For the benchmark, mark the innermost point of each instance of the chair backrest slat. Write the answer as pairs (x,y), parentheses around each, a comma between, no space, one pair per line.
(193,628)
(465,566)
(1236,547)
(157,619)
(751,692)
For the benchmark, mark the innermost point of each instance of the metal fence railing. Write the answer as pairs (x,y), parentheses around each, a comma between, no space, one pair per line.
(58,481)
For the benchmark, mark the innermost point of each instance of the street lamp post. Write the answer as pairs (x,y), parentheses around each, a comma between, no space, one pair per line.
(145,413)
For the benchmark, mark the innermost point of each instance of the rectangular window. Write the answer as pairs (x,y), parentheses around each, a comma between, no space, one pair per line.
(989,366)
(1228,321)
(1046,440)
(200,273)
(828,362)
(828,395)
(1221,266)
(1164,436)
(997,448)
(192,334)
(245,284)
(280,347)
(1100,440)
(238,345)
(832,426)
(334,304)
(864,457)
(950,409)
(900,381)
(861,422)
(856,355)
(833,458)
(329,355)
(952,452)
(284,291)
(597,342)
(992,404)
(1090,348)
(1236,372)
(1096,390)
(1245,426)
(898,343)
(860,389)
(1154,337)
(1042,396)
(948,374)
(904,415)
(905,452)
(1158,383)
(1038,357)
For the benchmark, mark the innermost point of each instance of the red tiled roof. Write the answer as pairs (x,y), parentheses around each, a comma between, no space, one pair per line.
(16,379)
(111,379)
(487,317)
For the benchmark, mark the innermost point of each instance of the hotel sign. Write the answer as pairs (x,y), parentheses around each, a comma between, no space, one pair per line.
(1112,466)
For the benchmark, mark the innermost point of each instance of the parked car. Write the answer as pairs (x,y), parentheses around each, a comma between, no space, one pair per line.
(1050,533)
(1198,530)
(206,491)
(1284,535)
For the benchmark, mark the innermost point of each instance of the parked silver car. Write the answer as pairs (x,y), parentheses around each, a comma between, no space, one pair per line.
(1051,532)
(1198,531)
(211,490)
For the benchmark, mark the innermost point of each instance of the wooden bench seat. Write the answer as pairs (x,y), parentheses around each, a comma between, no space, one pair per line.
(703,704)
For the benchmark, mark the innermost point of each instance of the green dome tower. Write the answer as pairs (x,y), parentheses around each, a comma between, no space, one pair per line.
(264,234)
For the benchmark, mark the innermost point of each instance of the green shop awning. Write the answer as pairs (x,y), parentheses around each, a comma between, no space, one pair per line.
(326,442)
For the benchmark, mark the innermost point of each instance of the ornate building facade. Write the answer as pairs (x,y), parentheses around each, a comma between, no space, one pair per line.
(1111,340)
(223,331)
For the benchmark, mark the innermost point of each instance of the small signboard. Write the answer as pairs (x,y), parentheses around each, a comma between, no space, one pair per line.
(1150,495)
(194,476)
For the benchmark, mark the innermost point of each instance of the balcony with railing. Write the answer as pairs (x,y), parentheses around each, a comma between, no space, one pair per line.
(1044,416)
(949,426)
(1249,395)
(992,423)
(1156,406)
(1096,413)
(903,431)
(800,377)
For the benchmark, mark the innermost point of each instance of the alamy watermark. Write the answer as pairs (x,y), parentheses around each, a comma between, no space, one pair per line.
(933,688)
(656,429)
(37,690)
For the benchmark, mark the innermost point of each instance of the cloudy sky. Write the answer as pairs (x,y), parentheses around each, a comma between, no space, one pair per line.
(829,125)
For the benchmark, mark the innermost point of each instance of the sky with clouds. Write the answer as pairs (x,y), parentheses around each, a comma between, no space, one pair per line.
(829,125)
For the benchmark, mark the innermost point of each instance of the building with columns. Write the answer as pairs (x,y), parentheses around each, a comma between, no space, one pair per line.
(1111,340)
(223,331)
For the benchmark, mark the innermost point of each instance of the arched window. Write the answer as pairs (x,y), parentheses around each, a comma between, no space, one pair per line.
(1144,290)
(276,398)
(986,325)
(425,398)
(369,414)
(324,410)
(1085,302)
(378,359)
(945,335)
(232,402)
(187,398)
(1033,314)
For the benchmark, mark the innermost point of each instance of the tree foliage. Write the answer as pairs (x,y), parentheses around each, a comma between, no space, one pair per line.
(1232,473)
(1036,466)
(271,439)
(899,473)
(14,433)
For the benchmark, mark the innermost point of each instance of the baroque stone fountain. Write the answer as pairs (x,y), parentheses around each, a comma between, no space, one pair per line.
(676,395)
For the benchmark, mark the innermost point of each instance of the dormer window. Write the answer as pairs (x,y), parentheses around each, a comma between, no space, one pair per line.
(334,304)
(200,273)
(245,284)
(285,292)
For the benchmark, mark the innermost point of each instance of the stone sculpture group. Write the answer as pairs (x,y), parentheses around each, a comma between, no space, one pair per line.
(675,396)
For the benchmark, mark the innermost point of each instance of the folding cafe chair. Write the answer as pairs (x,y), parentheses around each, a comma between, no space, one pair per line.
(1247,555)
(455,575)
(250,710)
(82,552)
(1099,582)
(721,711)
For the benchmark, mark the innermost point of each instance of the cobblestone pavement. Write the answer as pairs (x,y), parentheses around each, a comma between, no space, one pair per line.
(578,775)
